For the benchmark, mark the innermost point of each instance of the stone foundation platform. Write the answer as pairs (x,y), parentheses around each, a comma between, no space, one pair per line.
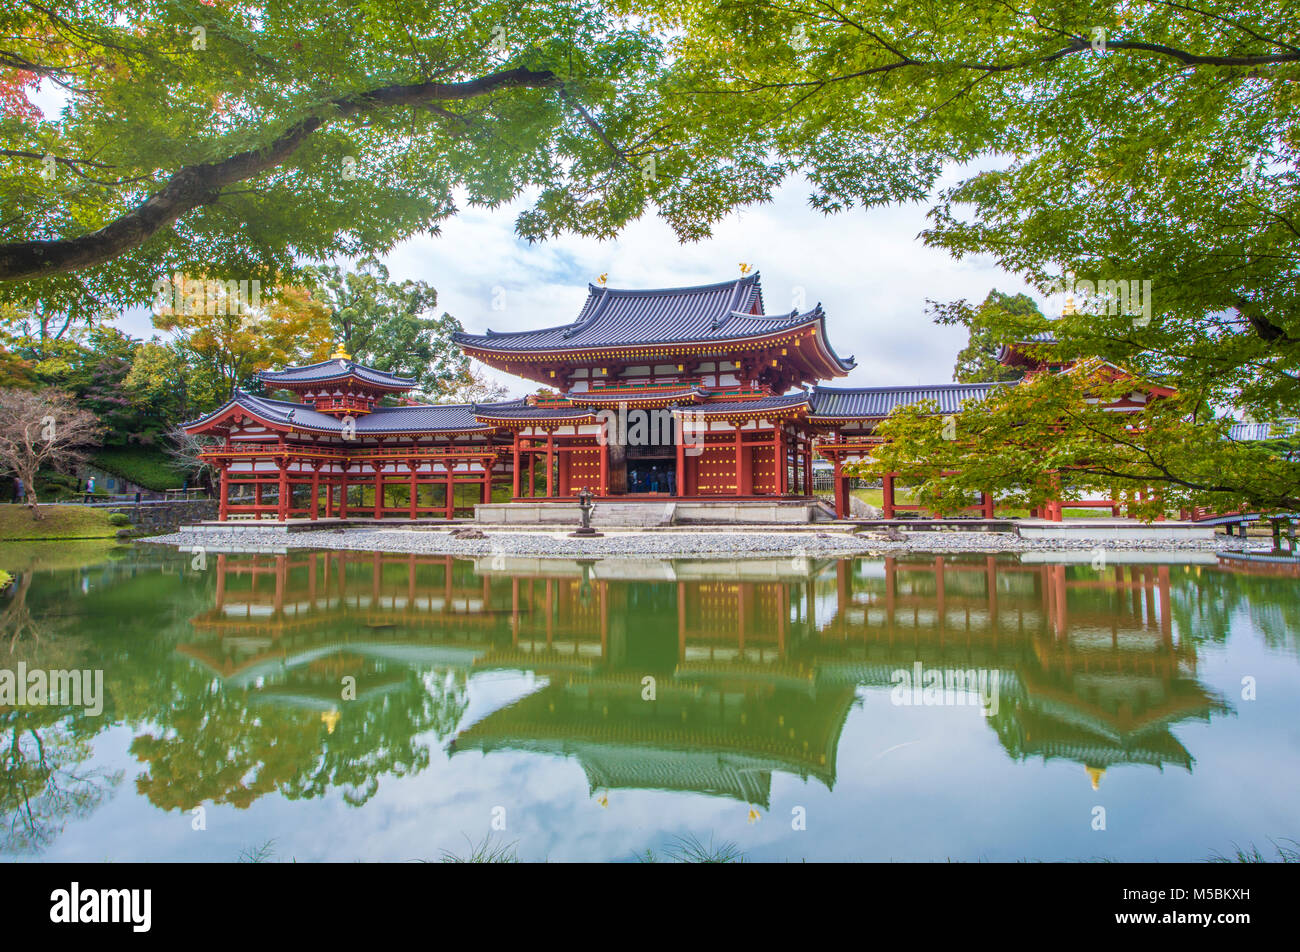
(619,513)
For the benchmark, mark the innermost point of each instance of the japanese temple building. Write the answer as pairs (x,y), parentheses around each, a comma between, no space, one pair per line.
(692,394)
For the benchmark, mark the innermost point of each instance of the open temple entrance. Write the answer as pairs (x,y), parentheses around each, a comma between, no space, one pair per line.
(652,475)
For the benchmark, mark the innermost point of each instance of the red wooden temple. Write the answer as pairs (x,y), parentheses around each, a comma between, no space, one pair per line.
(682,393)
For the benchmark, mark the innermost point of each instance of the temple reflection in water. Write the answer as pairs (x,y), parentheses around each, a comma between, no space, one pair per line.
(752,666)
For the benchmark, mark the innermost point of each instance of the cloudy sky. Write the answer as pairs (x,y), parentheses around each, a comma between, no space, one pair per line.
(869,270)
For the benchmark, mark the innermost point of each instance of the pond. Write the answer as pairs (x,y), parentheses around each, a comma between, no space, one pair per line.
(355,706)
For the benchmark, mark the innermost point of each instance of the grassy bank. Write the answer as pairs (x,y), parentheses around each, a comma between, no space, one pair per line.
(57,522)
(148,468)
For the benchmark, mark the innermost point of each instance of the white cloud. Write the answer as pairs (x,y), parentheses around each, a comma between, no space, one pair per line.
(869,270)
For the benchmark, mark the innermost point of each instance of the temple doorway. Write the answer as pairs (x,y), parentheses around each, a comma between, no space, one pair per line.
(652,474)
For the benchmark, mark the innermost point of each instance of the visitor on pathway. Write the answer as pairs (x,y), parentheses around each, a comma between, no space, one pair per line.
(20,491)
(90,488)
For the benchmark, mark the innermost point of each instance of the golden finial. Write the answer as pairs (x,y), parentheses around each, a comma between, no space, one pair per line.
(1096,773)
(340,353)
(1068,309)
(746,268)
(602,279)
(753,815)
(603,800)
(330,719)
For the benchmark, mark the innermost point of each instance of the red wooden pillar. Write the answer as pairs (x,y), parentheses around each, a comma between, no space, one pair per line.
(681,458)
(517,467)
(223,493)
(989,503)
(1166,622)
(379,490)
(807,466)
(1058,506)
(315,491)
(221,582)
(991,573)
(565,461)
(451,491)
(281,570)
(282,499)
(782,462)
(887,493)
(940,606)
(550,464)
(343,494)
(415,485)
(603,449)
(740,455)
(487,481)
(841,490)
(681,621)
(257,493)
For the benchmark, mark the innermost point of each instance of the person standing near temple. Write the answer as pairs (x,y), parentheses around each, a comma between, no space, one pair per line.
(20,491)
(90,488)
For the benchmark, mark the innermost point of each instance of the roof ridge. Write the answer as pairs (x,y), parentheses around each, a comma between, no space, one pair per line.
(812,314)
(716,285)
(346,365)
(910,386)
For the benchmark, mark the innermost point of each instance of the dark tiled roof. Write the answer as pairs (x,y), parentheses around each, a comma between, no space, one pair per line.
(783,402)
(877,402)
(520,410)
(335,369)
(424,418)
(615,318)
(632,394)
(421,418)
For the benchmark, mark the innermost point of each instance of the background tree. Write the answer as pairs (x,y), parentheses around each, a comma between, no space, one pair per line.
(39,429)
(51,343)
(163,379)
(473,386)
(1052,436)
(388,324)
(183,451)
(988,326)
(229,342)
(15,371)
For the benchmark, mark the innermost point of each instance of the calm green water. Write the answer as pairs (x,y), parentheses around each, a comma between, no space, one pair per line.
(348,706)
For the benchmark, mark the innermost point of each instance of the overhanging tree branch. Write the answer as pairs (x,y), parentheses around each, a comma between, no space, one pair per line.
(195,185)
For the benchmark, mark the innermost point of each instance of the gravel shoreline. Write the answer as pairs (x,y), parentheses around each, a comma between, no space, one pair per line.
(761,541)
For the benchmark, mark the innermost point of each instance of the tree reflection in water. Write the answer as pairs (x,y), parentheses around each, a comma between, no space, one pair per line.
(236,679)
